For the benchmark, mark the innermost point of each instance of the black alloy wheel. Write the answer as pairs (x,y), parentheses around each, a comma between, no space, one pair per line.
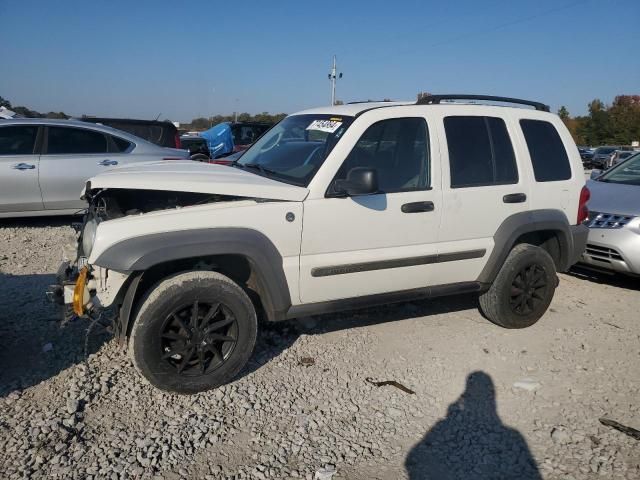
(198,338)
(523,289)
(193,331)
(528,289)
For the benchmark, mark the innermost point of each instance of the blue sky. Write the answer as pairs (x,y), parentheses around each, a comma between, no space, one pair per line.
(199,58)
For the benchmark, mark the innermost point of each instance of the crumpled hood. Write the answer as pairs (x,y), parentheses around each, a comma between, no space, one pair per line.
(614,198)
(191,176)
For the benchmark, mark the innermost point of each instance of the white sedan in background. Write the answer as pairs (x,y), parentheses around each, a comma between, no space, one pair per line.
(44,164)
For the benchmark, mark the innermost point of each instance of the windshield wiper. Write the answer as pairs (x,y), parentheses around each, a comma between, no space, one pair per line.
(259,167)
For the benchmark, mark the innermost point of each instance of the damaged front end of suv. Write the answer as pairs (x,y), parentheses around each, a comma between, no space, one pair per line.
(86,289)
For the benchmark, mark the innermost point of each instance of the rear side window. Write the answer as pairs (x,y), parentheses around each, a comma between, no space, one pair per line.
(63,140)
(18,140)
(480,152)
(548,155)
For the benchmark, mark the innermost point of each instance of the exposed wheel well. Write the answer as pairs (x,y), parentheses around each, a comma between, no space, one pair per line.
(549,240)
(237,267)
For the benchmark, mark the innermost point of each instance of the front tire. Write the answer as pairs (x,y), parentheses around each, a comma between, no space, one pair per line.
(193,332)
(523,289)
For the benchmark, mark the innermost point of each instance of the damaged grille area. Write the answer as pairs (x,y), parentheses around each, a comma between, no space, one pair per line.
(116,203)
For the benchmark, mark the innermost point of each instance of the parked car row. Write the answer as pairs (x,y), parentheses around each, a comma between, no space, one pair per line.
(604,157)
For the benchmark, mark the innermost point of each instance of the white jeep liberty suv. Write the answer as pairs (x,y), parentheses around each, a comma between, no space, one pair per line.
(333,208)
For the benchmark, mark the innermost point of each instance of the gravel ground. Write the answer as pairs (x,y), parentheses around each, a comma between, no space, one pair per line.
(488,402)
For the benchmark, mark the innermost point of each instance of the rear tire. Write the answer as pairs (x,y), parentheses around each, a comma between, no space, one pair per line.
(193,332)
(523,289)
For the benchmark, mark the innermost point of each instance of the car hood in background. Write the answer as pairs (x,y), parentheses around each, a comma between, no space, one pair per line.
(614,198)
(190,176)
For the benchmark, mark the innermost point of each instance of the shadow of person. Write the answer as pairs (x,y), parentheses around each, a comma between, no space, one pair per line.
(472,442)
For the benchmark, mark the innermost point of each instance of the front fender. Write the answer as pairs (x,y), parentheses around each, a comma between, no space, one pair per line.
(143,252)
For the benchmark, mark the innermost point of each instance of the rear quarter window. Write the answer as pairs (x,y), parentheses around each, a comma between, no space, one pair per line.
(548,156)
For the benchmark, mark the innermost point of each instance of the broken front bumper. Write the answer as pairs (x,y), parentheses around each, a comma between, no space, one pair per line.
(71,290)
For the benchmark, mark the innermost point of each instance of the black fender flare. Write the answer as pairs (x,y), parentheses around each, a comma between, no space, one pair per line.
(138,254)
(521,223)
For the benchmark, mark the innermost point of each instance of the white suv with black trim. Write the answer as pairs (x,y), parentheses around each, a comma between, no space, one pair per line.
(333,208)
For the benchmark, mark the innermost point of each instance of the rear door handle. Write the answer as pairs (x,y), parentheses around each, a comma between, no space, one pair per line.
(23,166)
(107,163)
(514,198)
(416,207)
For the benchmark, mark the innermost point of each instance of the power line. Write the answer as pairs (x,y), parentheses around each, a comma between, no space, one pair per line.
(510,23)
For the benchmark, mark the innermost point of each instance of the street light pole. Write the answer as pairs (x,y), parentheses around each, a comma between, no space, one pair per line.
(333,76)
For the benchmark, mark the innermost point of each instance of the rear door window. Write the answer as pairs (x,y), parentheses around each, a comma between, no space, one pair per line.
(18,140)
(64,140)
(480,152)
(548,155)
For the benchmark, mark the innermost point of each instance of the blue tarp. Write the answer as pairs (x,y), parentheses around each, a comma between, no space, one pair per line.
(219,140)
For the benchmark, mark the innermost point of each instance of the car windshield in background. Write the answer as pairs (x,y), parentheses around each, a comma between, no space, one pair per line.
(295,148)
(605,150)
(627,172)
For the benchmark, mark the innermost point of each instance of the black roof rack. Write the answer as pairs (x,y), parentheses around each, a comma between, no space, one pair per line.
(436,99)
(370,101)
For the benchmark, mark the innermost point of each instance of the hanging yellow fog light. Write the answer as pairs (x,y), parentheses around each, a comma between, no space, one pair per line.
(78,291)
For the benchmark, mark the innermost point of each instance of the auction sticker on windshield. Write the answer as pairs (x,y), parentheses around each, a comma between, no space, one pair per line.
(328,126)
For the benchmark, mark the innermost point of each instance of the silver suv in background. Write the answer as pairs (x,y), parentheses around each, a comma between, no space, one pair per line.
(614,218)
(44,164)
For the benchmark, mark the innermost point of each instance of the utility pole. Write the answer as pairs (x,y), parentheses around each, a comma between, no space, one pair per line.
(333,76)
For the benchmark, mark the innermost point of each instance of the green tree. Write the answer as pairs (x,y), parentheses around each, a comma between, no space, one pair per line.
(5,103)
(624,119)
(563,113)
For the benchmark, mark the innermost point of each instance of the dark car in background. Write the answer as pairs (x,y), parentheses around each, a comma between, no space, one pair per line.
(244,135)
(602,156)
(586,154)
(197,147)
(161,133)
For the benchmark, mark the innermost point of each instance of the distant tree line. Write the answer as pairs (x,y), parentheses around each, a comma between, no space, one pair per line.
(615,124)
(26,112)
(203,123)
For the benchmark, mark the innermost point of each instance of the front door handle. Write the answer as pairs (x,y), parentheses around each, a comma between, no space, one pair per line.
(416,207)
(23,166)
(107,163)
(515,198)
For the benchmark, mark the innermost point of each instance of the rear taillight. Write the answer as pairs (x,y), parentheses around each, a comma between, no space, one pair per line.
(177,138)
(583,211)
(220,161)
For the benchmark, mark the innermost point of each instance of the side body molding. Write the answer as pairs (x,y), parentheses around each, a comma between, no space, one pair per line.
(527,222)
(141,253)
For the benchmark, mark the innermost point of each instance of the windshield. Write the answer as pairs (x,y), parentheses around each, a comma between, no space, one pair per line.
(605,150)
(295,148)
(627,172)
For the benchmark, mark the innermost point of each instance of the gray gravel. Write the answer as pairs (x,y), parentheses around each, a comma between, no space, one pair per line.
(488,402)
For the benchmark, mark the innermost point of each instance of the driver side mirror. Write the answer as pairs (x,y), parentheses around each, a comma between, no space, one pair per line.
(595,173)
(359,181)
